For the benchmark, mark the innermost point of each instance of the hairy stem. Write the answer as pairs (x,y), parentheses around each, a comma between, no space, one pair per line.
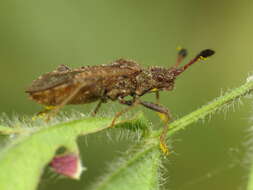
(217,104)
(138,169)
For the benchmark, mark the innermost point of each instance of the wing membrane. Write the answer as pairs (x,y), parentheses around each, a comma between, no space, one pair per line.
(89,74)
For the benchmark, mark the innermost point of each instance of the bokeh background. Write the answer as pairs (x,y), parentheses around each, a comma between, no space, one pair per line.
(37,36)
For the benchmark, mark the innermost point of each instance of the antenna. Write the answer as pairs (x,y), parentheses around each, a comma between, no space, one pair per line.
(201,56)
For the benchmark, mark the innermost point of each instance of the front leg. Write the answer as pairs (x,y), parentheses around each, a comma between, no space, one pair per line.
(165,115)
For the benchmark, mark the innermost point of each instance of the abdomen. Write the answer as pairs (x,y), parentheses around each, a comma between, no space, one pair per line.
(55,96)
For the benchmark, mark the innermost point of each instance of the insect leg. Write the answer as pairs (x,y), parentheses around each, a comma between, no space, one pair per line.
(102,100)
(43,113)
(165,115)
(64,102)
(157,96)
(130,103)
(94,112)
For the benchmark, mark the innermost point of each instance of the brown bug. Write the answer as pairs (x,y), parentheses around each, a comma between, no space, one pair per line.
(113,82)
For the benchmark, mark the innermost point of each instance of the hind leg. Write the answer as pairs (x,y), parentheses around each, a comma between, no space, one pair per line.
(57,108)
(43,113)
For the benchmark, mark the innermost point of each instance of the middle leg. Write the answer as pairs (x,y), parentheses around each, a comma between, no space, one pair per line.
(157,97)
(131,103)
(94,112)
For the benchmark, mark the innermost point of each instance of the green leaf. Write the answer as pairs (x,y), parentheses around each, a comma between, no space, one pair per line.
(137,170)
(250,180)
(22,161)
(8,130)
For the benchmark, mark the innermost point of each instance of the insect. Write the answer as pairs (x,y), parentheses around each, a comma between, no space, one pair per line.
(113,81)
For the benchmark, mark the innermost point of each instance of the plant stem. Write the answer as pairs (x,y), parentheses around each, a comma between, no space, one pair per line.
(217,104)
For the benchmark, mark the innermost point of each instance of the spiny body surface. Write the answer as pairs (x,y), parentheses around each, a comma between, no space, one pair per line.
(112,81)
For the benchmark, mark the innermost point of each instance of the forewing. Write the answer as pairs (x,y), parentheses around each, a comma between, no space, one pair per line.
(51,80)
(89,74)
(120,67)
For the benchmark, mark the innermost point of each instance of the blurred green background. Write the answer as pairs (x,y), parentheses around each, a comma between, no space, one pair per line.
(36,36)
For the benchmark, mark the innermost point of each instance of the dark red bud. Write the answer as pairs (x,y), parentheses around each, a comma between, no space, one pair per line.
(68,165)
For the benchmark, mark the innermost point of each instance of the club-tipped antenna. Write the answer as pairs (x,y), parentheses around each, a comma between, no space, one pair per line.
(182,53)
(201,56)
